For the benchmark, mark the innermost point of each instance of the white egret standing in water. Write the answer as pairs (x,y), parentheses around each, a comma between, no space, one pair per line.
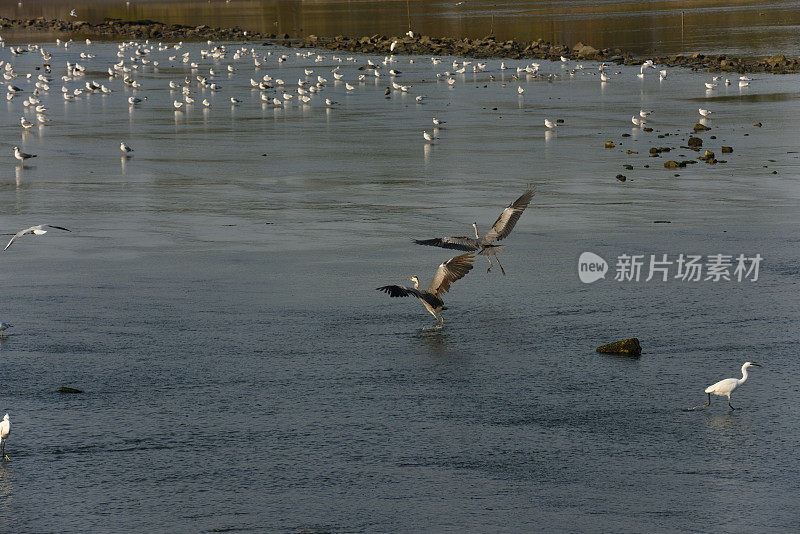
(724,388)
(5,430)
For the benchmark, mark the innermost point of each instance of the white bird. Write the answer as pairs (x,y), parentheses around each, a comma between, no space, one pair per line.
(520,90)
(393,46)
(550,125)
(206,103)
(410,34)
(637,122)
(643,114)
(710,85)
(36,230)
(235,101)
(603,77)
(437,122)
(25,123)
(743,83)
(3,326)
(125,148)
(22,156)
(5,430)
(73,13)
(132,100)
(724,388)
(177,104)
(704,112)
(428,137)
(563,59)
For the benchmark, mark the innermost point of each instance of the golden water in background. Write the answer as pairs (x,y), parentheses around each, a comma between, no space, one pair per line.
(743,27)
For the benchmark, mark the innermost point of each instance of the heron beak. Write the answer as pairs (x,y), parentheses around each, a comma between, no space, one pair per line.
(754,364)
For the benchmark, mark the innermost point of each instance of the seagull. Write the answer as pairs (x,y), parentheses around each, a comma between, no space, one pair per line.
(73,13)
(3,326)
(724,388)
(22,156)
(36,230)
(125,148)
(177,105)
(428,137)
(520,90)
(410,34)
(25,123)
(5,430)
(637,122)
(603,77)
(393,46)
(704,112)
(437,122)
(550,124)
(484,244)
(743,83)
(448,272)
(643,114)
(710,85)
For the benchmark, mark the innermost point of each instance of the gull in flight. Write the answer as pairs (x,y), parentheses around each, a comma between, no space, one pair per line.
(35,230)
(73,13)
(448,272)
(125,148)
(483,244)
(22,156)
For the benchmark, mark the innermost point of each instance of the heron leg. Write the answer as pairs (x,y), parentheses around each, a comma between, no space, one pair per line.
(729,403)
(497,259)
(709,401)
(490,264)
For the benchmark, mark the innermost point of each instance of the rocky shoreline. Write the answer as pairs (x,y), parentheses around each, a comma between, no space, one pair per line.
(488,47)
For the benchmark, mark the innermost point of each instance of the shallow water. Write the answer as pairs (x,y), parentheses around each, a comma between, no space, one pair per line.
(215,300)
(746,28)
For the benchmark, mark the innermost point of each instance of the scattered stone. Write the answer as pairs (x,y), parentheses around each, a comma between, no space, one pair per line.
(757,124)
(713,137)
(628,167)
(647,129)
(708,157)
(626,347)
(695,141)
(621,177)
(662,222)
(626,135)
(560,121)
(65,389)
(673,164)
(610,144)
(727,149)
(700,127)
(631,152)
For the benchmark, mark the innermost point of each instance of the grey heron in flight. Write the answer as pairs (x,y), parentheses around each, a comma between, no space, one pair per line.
(447,273)
(483,244)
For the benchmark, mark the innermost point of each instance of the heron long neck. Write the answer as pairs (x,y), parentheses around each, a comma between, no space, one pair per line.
(744,375)
(475,226)
(416,284)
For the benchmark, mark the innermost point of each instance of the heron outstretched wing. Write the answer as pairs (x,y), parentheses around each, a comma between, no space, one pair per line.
(506,221)
(450,271)
(399,291)
(457,243)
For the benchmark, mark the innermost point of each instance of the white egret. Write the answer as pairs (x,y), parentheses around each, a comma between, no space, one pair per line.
(5,430)
(724,388)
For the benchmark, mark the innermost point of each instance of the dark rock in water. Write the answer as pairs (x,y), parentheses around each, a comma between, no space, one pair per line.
(695,141)
(647,129)
(626,135)
(628,167)
(560,121)
(673,164)
(700,128)
(727,149)
(621,177)
(757,124)
(65,389)
(627,347)
(610,144)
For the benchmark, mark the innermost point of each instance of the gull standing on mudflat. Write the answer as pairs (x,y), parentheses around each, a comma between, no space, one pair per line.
(448,272)
(35,230)
(483,244)
(125,148)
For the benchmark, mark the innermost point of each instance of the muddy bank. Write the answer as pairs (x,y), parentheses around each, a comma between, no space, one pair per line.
(487,47)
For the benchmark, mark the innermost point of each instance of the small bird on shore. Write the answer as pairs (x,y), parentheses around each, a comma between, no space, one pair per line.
(22,156)
(550,124)
(437,122)
(428,137)
(724,388)
(3,327)
(125,148)
(25,123)
(710,86)
(520,90)
(704,112)
(636,121)
(5,430)
(35,230)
